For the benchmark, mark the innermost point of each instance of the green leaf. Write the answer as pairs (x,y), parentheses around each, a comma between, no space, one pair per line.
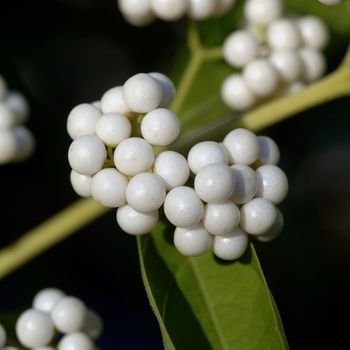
(207,303)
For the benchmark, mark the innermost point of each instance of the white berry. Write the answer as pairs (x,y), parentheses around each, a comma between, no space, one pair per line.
(76,341)
(18,105)
(168,87)
(112,101)
(3,336)
(93,326)
(201,9)
(283,33)
(332,2)
(169,10)
(314,63)
(8,145)
(81,183)
(262,12)
(269,151)
(136,12)
(46,299)
(313,31)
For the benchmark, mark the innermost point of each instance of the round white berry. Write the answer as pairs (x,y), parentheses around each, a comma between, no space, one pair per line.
(3,87)
(201,9)
(81,183)
(142,93)
(192,241)
(145,192)
(205,153)
(112,101)
(109,187)
(69,314)
(133,156)
(135,223)
(313,31)
(18,105)
(214,183)
(46,299)
(87,154)
(269,151)
(332,2)
(283,33)
(3,336)
(172,167)
(246,184)
(221,219)
(7,117)
(183,207)
(236,93)
(112,128)
(288,64)
(314,63)
(262,12)
(34,328)
(93,325)
(232,245)
(168,88)
(160,127)
(82,120)
(242,146)
(239,48)
(8,145)
(169,10)
(25,143)
(274,231)
(272,183)
(261,77)
(258,216)
(136,12)
(75,341)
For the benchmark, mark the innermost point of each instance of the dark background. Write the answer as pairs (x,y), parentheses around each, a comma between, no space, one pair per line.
(62,53)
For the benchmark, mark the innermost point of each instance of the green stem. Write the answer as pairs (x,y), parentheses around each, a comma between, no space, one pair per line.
(49,233)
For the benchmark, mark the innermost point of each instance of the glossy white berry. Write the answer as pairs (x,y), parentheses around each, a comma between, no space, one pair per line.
(25,143)
(242,146)
(76,341)
(236,93)
(46,299)
(109,187)
(183,207)
(112,101)
(69,314)
(314,32)
(18,104)
(82,120)
(221,219)
(232,245)
(314,63)
(7,117)
(258,216)
(269,151)
(133,156)
(239,48)
(261,77)
(288,64)
(272,183)
(274,231)
(332,2)
(205,153)
(81,183)
(214,183)
(34,328)
(168,88)
(201,9)
(173,168)
(135,223)
(93,326)
(192,241)
(262,12)
(169,10)
(160,127)
(112,128)
(87,154)
(142,93)
(8,145)
(246,184)
(145,192)
(3,336)
(283,33)
(136,12)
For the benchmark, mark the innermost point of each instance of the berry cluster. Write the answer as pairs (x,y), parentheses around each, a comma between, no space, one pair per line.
(228,200)
(277,55)
(52,312)
(143,12)
(16,141)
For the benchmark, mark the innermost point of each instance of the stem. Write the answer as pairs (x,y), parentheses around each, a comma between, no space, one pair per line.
(49,233)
